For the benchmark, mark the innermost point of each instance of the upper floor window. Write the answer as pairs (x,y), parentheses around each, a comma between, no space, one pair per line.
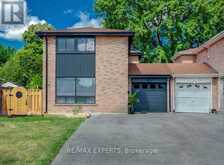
(75,70)
(82,44)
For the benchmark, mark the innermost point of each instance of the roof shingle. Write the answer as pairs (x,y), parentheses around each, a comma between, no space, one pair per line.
(149,69)
(194,68)
(170,69)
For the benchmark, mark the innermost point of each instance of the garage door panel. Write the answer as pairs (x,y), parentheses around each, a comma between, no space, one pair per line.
(151,97)
(156,101)
(193,97)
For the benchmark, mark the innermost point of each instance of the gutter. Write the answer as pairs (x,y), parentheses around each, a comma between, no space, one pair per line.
(61,33)
(149,76)
(174,75)
(195,75)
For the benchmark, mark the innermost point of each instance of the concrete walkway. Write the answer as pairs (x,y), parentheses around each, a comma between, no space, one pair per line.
(157,139)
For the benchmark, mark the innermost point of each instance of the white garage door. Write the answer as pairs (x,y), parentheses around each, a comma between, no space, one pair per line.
(193,96)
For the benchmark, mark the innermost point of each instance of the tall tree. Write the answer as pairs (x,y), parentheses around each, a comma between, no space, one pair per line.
(25,68)
(163,27)
(5,54)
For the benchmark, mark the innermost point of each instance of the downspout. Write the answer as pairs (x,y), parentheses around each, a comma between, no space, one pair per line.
(129,79)
(129,45)
(46,74)
(173,109)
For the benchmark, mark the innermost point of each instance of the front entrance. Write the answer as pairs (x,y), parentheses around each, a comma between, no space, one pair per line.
(152,95)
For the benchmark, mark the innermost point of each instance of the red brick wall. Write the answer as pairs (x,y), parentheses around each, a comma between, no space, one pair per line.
(111,77)
(214,56)
(215,93)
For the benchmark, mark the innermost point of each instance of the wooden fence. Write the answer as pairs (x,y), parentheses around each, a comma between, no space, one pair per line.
(21,101)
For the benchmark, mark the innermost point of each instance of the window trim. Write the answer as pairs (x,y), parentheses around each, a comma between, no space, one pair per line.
(77,52)
(75,96)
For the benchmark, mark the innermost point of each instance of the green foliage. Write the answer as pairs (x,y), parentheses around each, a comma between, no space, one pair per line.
(132,99)
(35,82)
(25,68)
(163,27)
(30,36)
(34,140)
(5,54)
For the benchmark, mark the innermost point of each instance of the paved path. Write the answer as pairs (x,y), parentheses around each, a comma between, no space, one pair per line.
(156,139)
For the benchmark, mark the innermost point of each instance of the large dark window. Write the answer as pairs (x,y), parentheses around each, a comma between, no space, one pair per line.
(75,70)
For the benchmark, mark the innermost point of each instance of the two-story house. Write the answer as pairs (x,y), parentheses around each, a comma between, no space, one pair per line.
(94,69)
(86,69)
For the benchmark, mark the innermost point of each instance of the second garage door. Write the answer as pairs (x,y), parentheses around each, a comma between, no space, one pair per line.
(193,96)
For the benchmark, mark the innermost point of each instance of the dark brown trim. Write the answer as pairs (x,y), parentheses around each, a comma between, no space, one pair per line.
(129,45)
(149,76)
(55,33)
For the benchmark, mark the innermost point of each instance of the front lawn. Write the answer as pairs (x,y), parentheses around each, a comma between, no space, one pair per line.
(34,140)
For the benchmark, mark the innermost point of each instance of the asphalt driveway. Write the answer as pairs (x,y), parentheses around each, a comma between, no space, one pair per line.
(157,139)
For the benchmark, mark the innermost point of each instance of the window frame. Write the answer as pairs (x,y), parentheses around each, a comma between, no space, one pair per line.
(75,51)
(57,86)
(75,96)
(75,77)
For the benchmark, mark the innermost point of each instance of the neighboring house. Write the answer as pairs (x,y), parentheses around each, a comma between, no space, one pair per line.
(211,53)
(174,87)
(93,69)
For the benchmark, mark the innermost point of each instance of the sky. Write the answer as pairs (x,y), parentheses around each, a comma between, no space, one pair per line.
(59,13)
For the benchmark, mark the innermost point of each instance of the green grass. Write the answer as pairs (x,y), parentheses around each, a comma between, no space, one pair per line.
(34,140)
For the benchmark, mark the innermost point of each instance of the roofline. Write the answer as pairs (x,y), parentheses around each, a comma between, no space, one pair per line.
(151,75)
(214,39)
(195,75)
(177,75)
(68,33)
(205,45)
